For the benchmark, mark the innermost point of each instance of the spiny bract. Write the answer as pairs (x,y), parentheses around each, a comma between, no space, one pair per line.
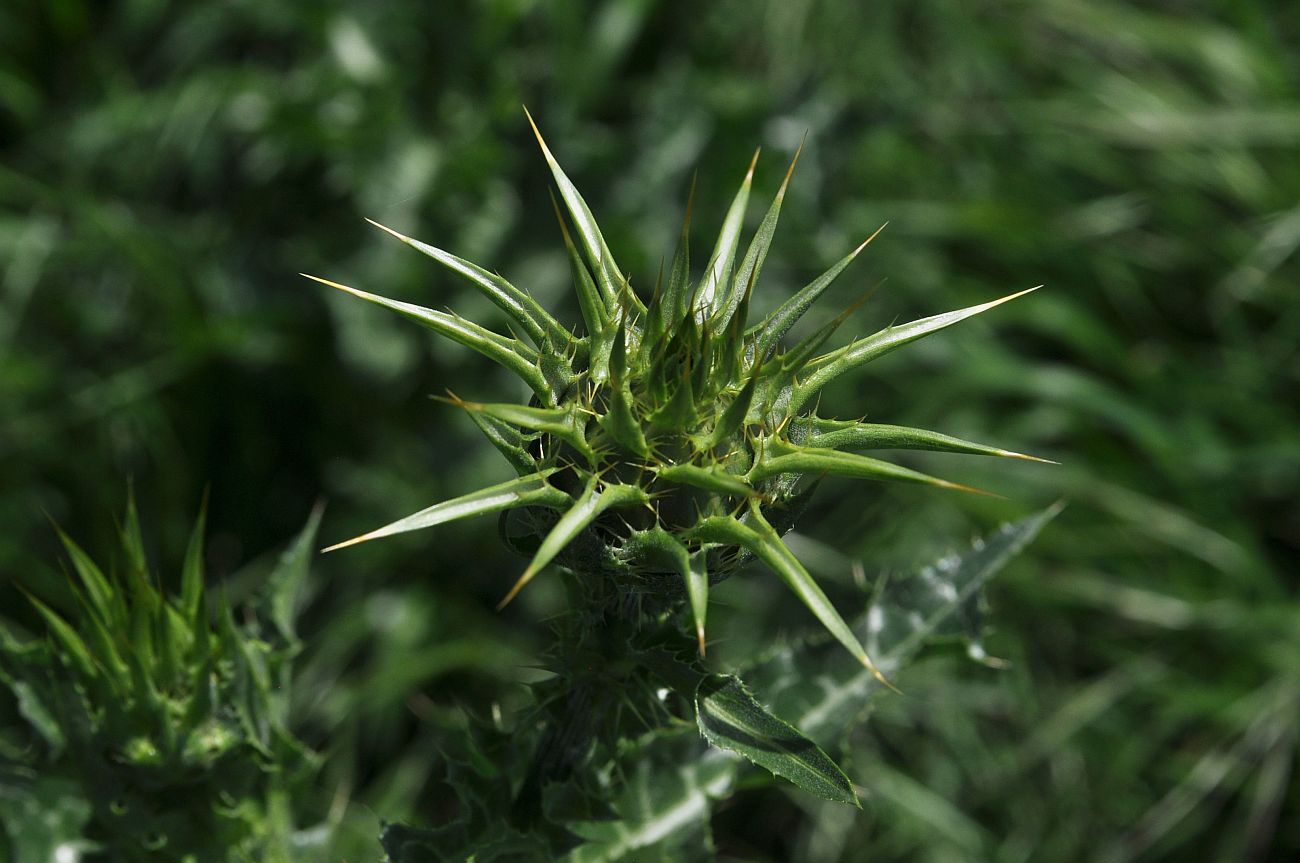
(672,437)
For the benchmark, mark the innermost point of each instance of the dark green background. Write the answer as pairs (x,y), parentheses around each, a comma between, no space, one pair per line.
(167,169)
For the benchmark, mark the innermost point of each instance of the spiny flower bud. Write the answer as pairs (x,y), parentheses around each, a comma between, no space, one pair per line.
(673,436)
(164,712)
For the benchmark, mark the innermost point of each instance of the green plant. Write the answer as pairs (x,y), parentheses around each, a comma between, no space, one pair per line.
(152,725)
(660,451)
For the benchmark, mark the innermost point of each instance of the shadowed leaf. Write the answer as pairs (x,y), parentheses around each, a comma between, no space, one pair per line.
(730,718)
(589,505)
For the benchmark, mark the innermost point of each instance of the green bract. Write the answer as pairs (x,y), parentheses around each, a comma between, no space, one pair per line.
(671,439)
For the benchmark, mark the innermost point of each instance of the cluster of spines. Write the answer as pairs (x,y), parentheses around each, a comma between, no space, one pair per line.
(675,392)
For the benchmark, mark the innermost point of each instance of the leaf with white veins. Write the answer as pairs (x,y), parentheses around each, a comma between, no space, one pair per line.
(730,718)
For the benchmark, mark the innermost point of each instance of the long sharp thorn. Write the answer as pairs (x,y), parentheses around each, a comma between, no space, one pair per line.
(868,240)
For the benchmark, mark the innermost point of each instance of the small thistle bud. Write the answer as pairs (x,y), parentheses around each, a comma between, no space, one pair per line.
(164,714)
(672,439)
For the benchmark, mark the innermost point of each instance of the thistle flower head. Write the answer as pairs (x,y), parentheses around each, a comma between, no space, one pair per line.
(675,436)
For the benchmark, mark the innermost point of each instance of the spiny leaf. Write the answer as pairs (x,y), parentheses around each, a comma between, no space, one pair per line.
(170,636)
(72,648)
(192,571)
(508,440)
(532,490)
(99,636)
(735,351)
(696,575)
(608,277)
(730,718)
(519,305)
(679,411)
(511,353)
(589,505)
(141,656)
(567,423)
(793,361)
(767,335)
(713,293)
(830,366)
(752,264)
(595,314)
(674,304)
(823,696)
(712,478)
(657,547)
(284,585)
(620,422)
(841,434)
(781,458)
(106,602)
(663,815)
(734,416)
(762,541)
(618,352)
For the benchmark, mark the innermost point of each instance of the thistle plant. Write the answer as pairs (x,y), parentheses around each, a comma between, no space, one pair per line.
(664,445)
(674,439)
(156,721)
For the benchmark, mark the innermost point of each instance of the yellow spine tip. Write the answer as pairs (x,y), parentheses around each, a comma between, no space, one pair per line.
(868,240)
(956,486)
(338,545)
(519,585)
(546,151)
(1024,457)
(388,230)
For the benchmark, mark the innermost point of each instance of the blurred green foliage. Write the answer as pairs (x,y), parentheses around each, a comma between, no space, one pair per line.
(166,169)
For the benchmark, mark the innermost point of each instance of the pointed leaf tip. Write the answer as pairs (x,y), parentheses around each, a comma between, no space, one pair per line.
(868,240)
(524,491)
(398,234)
(837,362)
(538,133)
(576,519)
